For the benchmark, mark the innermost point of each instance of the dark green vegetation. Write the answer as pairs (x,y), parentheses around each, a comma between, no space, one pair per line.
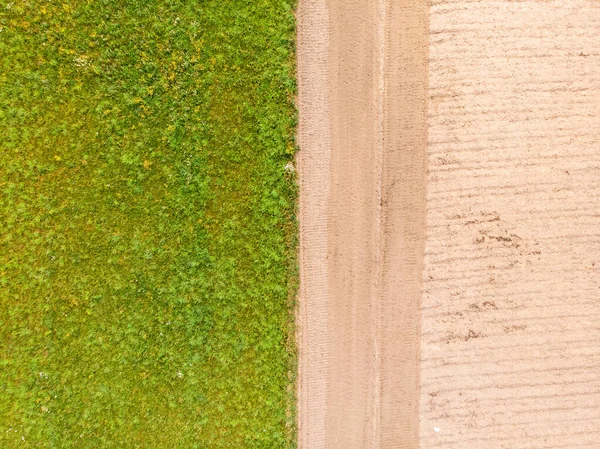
(147,224)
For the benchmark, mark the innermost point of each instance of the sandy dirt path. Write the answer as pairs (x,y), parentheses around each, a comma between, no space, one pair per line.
(362,168)
(511,304)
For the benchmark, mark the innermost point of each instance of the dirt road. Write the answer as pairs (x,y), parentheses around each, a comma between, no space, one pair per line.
(362,166)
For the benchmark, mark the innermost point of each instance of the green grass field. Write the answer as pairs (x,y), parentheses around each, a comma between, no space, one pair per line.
(147,224)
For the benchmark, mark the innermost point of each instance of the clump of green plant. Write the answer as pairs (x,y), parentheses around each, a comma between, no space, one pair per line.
(146,224)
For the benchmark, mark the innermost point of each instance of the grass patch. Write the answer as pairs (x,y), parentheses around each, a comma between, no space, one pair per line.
(147,228)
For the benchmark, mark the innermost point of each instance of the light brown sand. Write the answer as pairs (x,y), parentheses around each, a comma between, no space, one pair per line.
(511,307)
(510,304)
(362,166)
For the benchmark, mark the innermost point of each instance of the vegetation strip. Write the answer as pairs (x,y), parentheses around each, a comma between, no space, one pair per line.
(147,224)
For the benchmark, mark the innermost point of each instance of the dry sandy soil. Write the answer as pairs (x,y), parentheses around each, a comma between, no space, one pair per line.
(362,166)
(450,224)
(510,352)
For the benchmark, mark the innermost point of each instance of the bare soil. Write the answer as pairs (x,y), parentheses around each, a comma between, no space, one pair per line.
(362,167)
(511,341)
(449,224)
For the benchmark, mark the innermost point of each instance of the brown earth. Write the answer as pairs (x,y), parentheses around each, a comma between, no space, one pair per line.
(502,297)
(511,304)
(362,168)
